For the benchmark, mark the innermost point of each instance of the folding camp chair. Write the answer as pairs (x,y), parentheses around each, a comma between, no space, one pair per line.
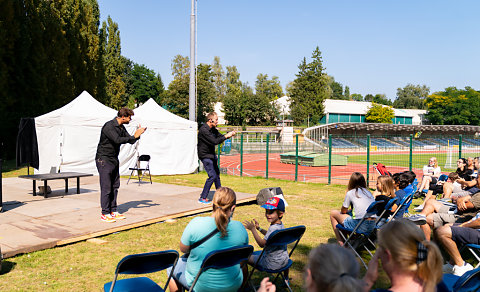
(381,169)
(468,282)
(142,264)
(139,168)
(355,240)
(279,238)
(224,258)
(405,202)
(474,250)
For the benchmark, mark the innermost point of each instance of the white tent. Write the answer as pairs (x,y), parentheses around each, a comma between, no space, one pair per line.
(171,141)
(68,137)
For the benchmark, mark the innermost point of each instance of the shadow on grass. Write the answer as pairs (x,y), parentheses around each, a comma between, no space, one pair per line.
(7,266)
(11,164)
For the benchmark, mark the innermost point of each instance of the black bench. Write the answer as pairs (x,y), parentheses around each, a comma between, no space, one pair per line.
(51,176)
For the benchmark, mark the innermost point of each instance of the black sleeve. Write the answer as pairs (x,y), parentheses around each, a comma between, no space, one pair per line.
(211,138)
(113,135)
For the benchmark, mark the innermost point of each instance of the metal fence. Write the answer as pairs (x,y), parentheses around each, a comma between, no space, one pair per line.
(332,159)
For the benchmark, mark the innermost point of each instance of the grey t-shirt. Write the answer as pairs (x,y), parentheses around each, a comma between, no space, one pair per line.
(275,257)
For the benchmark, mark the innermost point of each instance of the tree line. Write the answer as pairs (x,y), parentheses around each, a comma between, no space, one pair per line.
(50,51)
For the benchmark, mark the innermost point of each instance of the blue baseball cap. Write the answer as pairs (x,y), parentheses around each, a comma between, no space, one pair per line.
(274,203)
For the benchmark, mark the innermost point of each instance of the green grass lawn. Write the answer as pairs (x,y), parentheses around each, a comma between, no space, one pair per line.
(86,266)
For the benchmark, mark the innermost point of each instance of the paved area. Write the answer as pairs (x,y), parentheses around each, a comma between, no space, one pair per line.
(31,223)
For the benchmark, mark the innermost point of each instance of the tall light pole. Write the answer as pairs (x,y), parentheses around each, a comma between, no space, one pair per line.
(191,88)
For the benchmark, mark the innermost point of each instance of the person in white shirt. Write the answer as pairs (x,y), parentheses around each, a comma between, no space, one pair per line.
(431,173)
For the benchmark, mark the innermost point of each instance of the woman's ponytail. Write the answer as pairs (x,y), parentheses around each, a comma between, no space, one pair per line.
(223,201)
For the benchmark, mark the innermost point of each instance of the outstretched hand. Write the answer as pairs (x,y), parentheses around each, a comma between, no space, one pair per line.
(266,286)
(139,131)
(230,134)
(250,225)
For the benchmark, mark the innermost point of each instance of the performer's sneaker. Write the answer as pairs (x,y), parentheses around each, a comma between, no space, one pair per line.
(107,218)
(118,216)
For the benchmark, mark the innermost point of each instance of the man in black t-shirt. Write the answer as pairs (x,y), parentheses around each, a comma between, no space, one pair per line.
(208,137)
(112,136)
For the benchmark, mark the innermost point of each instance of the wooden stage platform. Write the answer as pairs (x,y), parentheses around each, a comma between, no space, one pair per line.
(30,223)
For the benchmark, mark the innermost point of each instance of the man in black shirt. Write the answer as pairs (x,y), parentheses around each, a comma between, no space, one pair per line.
(208,137)
(112,136)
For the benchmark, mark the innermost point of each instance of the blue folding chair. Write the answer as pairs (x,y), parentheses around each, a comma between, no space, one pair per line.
(403,204)
(278,238)
(142,264)
(224,258)
(474,250)
(354,239)
(468,282)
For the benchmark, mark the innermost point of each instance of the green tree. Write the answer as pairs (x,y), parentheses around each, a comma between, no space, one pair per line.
(268,89)
(381,99)
(378,113)
(114,65)
(347,93)
(176,98)
(356,97)
(336,89)
(310,89)
(232,103)
(205,91)
(144,84)
(454,107)
(411,96)
(219,79)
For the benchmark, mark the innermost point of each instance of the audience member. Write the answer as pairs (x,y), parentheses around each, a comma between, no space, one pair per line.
(431,173)
(411,262)
(275,257)
(436,214)
(401,182)
(230,233)
(460,233)
(385,192)
(410,189)
(330,268)
(359,198)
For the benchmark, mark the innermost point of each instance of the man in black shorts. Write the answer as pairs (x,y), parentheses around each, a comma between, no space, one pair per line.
(451,235)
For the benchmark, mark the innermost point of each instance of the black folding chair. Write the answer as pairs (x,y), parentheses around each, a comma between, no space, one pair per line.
(142,160)
(281,237)
(224,258)
(142,264)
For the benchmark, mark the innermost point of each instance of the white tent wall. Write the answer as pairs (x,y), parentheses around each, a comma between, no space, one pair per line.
(171,141)
(68,138)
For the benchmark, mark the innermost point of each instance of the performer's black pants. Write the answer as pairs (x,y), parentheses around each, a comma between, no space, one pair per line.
(211,167)
(109,184)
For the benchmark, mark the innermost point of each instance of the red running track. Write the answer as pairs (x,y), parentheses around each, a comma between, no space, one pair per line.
(255,165)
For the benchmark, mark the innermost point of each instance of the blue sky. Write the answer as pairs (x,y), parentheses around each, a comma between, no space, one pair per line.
(373,46)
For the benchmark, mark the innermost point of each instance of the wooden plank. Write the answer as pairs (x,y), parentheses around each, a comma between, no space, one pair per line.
(142,223)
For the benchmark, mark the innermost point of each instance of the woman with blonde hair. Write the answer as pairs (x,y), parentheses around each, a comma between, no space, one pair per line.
(385,192)
(205,234)
(431,173)
(411,262)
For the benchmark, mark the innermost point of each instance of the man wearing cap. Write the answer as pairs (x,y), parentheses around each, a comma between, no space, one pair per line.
(275,257)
